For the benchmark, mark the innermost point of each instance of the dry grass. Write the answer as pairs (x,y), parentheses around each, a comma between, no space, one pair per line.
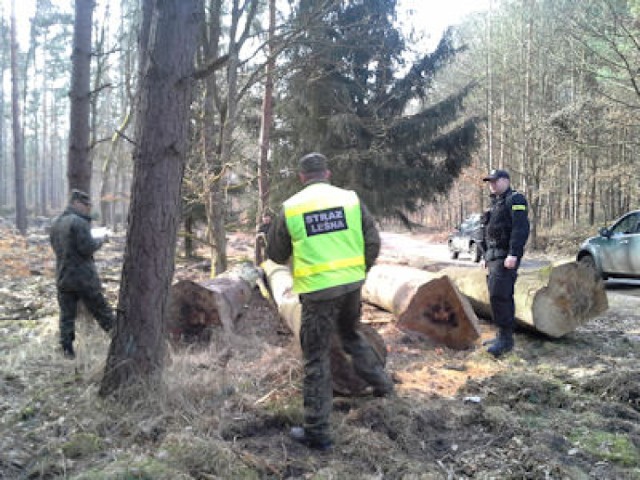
(564,409)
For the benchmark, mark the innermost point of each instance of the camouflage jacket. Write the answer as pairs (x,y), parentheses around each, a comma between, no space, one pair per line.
(74,247)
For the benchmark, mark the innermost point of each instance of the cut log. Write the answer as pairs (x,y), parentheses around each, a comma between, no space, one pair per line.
(196,308)
(280,285)
(344,378)
(423,302)
(553,300)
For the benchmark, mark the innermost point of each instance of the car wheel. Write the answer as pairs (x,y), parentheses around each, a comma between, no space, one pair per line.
(589,262)
(453,254)
(476,253)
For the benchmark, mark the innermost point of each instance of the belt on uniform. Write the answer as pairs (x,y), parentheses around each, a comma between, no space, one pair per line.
(496,254)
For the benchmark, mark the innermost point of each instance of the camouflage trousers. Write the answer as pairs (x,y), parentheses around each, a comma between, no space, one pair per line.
(95,302)
(320,318)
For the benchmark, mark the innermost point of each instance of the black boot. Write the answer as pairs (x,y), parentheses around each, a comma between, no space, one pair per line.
(491,341)
(318,443)
(67,351)
(503,344)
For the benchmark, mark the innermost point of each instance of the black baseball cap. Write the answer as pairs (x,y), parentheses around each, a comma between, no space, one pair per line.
(495,175)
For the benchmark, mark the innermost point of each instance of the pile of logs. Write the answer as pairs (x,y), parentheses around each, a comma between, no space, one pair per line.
(442,305)
(553,300)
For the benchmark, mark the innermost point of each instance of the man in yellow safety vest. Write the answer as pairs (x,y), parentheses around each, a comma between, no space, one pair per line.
(332,241)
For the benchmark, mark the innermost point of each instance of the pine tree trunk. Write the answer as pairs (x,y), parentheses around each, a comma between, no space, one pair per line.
(267,119)
(18,134)
(4,183)
(138,349)
(79,166)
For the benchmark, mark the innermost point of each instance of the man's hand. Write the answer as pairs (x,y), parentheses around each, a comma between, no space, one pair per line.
(511,262)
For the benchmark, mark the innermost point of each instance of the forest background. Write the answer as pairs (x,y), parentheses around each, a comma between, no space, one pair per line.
(550,87)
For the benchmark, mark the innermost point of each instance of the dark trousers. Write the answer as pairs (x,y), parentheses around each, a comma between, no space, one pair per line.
(320,318)
(501,282)
(96,304)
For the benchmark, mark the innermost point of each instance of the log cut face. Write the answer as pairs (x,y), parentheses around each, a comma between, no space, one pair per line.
(196,309)
(344,377)
(440,312)
(573,296)
(425,303)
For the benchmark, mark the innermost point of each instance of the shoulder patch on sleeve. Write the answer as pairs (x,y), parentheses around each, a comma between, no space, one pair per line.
(518,207)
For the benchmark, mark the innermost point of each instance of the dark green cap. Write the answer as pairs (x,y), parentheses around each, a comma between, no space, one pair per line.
(80,196)
(313,162)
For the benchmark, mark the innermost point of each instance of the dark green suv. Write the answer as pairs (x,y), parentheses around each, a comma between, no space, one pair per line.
(615,252)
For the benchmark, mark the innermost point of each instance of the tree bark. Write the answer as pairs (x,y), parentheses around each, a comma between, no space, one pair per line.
(211,142)
(18,134)
(4,181)
(344,378)
(79,167)
(423,302)
(264,183)
(138,348)
(551,300)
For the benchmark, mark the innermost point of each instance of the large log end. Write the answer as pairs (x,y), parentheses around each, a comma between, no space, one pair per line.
(573,296)
(196,309)
(439,311)
(192,313)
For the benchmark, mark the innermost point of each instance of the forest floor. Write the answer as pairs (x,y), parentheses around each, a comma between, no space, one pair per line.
(552,409)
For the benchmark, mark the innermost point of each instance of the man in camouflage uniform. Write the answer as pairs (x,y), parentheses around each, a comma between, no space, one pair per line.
(76,275)
(505,234)
(332,241)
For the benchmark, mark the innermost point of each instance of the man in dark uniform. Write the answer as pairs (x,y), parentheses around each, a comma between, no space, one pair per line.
(76,274)
(332,241)
(506,233)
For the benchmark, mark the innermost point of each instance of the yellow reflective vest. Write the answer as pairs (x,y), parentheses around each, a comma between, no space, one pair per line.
(325,225)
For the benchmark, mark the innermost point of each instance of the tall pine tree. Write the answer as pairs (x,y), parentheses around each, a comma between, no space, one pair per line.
(346,99)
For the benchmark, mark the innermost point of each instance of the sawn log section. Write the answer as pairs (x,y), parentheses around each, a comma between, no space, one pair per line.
(423,302)
(553,300)
(198,308)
